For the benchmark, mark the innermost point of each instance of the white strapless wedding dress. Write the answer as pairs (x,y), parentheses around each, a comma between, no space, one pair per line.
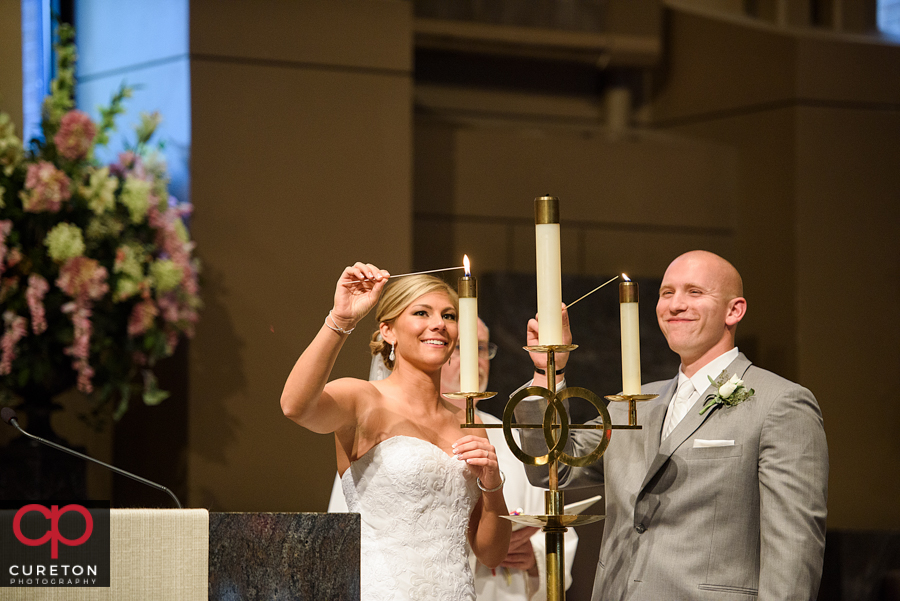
(414,501)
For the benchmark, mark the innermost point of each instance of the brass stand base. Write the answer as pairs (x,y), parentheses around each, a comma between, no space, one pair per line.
(554,521)
(554,525)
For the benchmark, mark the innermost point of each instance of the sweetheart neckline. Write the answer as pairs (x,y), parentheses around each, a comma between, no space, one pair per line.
(428,442)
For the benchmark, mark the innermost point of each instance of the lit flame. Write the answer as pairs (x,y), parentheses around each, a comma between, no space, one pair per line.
(626,278)
(466,265)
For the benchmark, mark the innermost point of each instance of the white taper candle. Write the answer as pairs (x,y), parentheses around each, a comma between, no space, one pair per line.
(549,271)
(468,331)
(631,337)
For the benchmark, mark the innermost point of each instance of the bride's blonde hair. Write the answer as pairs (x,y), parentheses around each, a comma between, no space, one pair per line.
(396,298)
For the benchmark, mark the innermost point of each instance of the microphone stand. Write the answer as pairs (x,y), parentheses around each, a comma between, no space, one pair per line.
(9,416)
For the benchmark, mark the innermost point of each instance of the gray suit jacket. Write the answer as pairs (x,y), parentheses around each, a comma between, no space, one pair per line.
(743,521)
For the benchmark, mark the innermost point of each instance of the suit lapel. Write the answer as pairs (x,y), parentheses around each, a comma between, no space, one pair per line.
(655,418)
(690,423)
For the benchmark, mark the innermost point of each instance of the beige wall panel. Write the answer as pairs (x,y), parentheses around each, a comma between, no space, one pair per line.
(523,251)
(736,8)
(434,166)
(849,281)
(507,104)
(645,254)
(487,244)
(11,61)
(434,243)
(570,251)
(354,33)
(498,246)
(858,16)
(763,219)
(717,65)
(314,175)
(650,180)
(848,71)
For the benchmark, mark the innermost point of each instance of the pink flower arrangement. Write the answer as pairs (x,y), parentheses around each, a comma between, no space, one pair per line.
(46,187)
(80,349)
(37,288)
(97,275)
(83,279)
(13,257)
(16,329)
(5,229)
(76,134)
(142,317)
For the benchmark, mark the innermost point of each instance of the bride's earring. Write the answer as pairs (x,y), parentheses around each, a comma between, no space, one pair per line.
(391,356)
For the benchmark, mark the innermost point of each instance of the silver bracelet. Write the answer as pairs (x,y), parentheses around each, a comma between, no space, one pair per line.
(499,486)
(336,327)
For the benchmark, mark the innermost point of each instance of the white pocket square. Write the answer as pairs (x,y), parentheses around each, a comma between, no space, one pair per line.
(699,443)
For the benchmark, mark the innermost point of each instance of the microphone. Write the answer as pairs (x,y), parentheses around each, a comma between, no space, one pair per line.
(9,416)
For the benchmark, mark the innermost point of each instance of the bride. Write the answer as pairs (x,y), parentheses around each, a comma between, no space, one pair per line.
(405,468)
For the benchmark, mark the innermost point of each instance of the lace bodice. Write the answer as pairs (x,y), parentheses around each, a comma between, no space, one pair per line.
(414,501)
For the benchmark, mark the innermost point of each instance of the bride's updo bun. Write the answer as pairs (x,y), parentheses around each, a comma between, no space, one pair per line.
(397,296)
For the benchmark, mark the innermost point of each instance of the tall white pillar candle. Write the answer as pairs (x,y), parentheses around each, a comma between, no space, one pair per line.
(631,337)
(549,276)
(468,331)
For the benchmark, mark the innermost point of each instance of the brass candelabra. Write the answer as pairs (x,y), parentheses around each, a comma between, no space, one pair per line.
(556,425)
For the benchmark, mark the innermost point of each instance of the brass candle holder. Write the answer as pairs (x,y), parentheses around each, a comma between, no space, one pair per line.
(554,522)
(470,398)
(632,400)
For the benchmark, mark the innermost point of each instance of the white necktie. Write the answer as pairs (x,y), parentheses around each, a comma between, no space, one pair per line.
(678,409)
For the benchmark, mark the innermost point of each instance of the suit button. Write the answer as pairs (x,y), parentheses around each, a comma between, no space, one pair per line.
(640,528)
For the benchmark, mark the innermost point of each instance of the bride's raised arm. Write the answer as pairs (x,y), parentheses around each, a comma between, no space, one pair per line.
(306,399)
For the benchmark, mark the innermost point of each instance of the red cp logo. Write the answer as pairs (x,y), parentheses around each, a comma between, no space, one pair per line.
(53,514)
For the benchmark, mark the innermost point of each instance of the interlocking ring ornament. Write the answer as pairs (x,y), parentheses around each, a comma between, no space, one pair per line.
(556,445)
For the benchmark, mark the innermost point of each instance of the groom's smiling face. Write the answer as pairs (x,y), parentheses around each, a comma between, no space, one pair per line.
(695,310)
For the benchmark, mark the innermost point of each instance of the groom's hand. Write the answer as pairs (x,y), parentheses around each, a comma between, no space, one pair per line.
(540,359)
(521,553)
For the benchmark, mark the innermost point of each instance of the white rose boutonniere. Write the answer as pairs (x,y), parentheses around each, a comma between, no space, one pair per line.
(729,391)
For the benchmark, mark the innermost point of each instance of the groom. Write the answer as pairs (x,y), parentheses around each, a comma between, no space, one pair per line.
(729,503)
